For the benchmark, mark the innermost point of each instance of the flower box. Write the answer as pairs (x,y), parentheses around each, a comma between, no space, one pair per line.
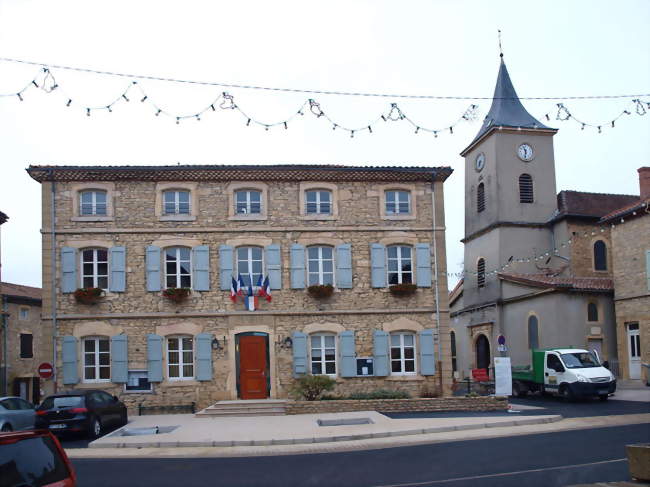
(88,295)
(320,291)
(402,289)
(176,294)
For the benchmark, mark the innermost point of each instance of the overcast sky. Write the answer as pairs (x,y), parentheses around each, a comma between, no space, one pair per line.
(446,48)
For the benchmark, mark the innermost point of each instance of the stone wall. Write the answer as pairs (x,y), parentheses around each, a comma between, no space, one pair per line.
(486,403)
(582,249)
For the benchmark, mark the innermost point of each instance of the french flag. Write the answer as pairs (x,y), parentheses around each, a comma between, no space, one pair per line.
(266,289)
(234,289)
(250,300)
(240,285)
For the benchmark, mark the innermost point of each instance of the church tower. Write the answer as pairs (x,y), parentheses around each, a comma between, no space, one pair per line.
(510,193)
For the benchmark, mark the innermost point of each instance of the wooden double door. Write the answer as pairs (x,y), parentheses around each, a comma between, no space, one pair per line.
(253,367)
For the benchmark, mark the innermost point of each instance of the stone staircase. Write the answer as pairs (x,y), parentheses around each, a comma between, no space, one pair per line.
(250,407)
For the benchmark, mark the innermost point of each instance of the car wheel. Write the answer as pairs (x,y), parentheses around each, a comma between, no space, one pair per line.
(95,428)
(519,390)
(603,397)
(6,428)
(566,393)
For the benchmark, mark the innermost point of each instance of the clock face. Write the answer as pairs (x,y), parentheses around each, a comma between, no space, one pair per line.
(525,152)
(479,164)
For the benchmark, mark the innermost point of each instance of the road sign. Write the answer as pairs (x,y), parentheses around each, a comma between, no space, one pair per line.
(45,370)
(501,340)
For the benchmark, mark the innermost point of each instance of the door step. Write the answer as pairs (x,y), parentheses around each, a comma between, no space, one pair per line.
(251,407)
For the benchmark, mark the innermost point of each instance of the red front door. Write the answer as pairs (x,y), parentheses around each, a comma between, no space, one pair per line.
(253,367)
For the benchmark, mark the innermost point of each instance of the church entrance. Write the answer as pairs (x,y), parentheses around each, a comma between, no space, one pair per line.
(482,352)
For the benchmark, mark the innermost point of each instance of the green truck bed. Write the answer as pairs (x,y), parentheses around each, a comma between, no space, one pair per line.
(534,373)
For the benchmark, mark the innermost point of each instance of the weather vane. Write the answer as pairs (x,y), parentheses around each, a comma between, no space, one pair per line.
(500,48)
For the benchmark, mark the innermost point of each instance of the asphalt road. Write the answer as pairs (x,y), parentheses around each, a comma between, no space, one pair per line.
(544,460)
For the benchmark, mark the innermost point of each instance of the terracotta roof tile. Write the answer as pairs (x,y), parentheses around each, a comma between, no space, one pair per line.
(456,292)
(570,283)
(592,205)
(638,205)
(21,291)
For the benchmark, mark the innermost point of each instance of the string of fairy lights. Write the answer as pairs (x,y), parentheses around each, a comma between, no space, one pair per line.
(225,101)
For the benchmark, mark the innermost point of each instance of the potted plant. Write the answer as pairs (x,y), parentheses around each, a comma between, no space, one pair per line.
(402,289)
(321,291)
(176,294)
(88,295)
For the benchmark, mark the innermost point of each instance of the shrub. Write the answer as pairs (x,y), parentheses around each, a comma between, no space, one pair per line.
(310,387)
(321,291)
(380,394)
(402,289)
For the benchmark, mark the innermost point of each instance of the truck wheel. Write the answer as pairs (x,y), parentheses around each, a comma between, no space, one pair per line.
(519,390)
(603,397)
(566,393)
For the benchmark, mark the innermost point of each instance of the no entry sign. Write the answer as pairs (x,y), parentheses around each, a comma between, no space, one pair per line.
(45,370)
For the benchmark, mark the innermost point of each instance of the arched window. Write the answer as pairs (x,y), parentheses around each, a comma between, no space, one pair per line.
(480,198)
(452,341)
(533,332)
(600,256)
(592,312)
(480,272)
(525,188)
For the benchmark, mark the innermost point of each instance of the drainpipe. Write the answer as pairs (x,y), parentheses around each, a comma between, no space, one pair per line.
(55,330)
(435,279)
(5,348)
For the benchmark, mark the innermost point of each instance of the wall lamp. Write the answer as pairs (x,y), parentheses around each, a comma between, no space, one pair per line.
(217,345)
(286,343)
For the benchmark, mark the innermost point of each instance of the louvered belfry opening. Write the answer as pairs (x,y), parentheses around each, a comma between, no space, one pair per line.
(480,272)
(480,198)
(526,188)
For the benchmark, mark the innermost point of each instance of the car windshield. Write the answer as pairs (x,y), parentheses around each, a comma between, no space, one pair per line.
(580,360)
(31,461)
(61,402)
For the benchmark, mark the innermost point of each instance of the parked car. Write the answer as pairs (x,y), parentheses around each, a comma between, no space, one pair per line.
(16,414)
(87,411)
(34,458)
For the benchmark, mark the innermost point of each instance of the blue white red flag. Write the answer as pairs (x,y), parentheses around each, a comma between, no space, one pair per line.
(234,289)
(266,289)
(240,285)
(250,300)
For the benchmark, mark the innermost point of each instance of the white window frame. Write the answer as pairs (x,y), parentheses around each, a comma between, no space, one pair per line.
(95,276)
(320,260)
(93,204)
(400,271)
(177,210)
(96,355)
(396,202)
(318,201)
(248,202)
(402,360)
(23,313)
(138,391)
(249,260)
(181,363)
(323,362)
(178,275)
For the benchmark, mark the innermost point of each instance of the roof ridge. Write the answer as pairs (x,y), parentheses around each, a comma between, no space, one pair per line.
(594,192)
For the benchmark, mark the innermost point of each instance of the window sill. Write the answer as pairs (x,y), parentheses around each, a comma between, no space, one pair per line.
(404,378)
(182,382)
(398,217)
(319,217)
(93,385)
(177,218)
(253,218)
(92,218)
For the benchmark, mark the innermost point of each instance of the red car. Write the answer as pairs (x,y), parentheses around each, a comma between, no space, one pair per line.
(34,458)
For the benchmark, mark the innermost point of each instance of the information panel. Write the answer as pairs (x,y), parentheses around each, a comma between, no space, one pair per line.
(502,376)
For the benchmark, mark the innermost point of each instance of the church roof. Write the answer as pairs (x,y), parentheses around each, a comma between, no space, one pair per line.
(569,283)
(580,204)
(506,110)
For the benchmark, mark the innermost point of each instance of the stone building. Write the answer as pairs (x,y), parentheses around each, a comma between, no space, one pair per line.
(630,227)
(26,347)
(137,231)
(538,265)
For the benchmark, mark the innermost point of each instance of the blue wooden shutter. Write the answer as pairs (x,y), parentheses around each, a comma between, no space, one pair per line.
(427,357)
(119,359)
(152,264)
(69,358)
(297,266)
(201,268)
(68,269)
(423,262)
(299,354)
(344,267)
(647,267)
(204,356)
(154,358)
(274,265)
(117,264)
(378,265)
(225,267)
(380,353)
(348,354)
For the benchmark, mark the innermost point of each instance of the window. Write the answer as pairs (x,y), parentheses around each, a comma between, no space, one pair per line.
(480,272)
(525,188)
(138,381)
(592,312)
(97,359)
(180,358)
(400,269)
(398,202)
(250,264)
(323,354)
(178,267)
(480,198)
(94,268)
(533,332)
(23,314)
(452,340)
(92,203)
(320,265)
(26,345)
(553,362)
(176,202)
(318,202)
(402,354)
(248,202)
(600,256)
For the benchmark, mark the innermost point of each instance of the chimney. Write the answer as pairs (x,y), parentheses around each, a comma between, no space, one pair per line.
(644,182)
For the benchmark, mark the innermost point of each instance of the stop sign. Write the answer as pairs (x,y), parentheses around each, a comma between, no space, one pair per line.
(45,370)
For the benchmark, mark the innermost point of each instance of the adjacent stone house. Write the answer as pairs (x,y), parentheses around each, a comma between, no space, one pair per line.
(136,232)
(630,229)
